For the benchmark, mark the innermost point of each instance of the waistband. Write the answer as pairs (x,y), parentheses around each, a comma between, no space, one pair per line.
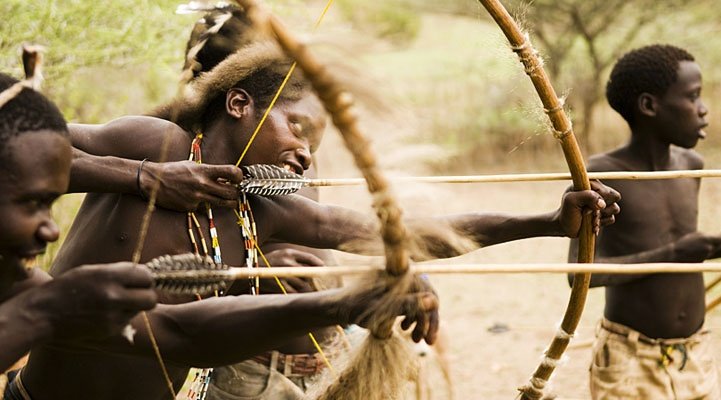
(292,365)
(634,335)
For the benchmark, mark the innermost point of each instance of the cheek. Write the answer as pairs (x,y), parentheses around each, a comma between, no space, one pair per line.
(15,230)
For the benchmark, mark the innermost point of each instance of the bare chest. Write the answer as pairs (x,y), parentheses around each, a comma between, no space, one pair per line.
(654,213)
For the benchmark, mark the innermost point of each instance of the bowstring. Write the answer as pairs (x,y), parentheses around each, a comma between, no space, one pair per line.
(280,89)
(245,150)
(247,229)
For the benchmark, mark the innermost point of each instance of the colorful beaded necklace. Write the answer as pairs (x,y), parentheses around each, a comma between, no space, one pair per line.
(199,386)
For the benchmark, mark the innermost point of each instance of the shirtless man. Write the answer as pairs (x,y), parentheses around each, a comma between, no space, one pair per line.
(650,344)
(80,309)
(86,302)
(227,108)
(184,185)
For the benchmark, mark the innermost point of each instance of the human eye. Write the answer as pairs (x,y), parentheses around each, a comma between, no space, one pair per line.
(32,204)
(296,127)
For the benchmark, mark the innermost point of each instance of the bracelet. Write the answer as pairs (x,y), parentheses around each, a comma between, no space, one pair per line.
(137,180)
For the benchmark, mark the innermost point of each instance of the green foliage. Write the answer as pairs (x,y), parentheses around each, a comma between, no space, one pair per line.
(389,20)
(95,49)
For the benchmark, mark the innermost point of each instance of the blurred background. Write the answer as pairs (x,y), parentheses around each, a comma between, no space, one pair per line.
(462,105)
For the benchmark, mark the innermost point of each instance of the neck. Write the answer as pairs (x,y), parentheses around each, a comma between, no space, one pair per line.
(218,146)
(654,153)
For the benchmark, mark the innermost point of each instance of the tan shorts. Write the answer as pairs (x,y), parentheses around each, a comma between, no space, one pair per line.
(250,380)
(628,365)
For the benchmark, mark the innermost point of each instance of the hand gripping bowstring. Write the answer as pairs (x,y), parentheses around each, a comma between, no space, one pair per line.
(563,131)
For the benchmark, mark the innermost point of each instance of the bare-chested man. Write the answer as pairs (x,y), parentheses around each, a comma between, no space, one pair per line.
(650,344)
(89,301)
(184,185)
(227,108)
(82,308)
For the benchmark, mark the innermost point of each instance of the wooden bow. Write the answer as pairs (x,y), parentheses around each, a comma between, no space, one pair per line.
(563,131)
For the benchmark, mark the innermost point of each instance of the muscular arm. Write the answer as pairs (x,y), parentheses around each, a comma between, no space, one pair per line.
(326,226)
(223,330)
(106,158)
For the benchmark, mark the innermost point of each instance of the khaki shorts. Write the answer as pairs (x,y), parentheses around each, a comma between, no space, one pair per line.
(629,365)
(250,380)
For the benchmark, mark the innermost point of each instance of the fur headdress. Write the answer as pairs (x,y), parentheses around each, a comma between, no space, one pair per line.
(258,67)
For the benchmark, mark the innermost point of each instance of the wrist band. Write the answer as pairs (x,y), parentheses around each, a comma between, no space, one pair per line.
(137,180)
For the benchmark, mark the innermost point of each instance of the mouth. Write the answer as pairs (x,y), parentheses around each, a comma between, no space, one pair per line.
(292,167)
(29,262)
(701,132)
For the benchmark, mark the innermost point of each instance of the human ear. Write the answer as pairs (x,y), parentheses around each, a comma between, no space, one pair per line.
(238,102)
(647,104)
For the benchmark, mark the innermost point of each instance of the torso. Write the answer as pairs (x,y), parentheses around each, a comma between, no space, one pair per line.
(105,231)
(654,213)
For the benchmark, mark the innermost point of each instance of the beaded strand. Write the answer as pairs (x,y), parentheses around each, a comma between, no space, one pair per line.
(199,386)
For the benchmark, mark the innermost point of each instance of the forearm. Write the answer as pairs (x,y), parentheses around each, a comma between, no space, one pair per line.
(236,328)
(490,229)
(91,173)
(455,235)
(659,254)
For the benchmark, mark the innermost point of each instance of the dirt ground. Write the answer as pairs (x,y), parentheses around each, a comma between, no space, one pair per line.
(523,309)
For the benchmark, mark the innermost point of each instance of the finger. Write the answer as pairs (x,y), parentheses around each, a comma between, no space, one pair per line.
(613,209)
(300,285)
(230,173)
(586,199)
(406,323)
(607,192)
(609,220)
(423,305)
(435,324)
(596,222)
(134,300)
(308,259)
(131,276)
(221,201)
(220,190)
(422,323)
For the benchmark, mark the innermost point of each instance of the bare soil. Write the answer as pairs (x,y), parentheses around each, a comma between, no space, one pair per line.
(496,327)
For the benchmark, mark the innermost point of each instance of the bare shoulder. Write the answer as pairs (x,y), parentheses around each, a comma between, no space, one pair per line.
(615,160)
(134,137)
(686,158)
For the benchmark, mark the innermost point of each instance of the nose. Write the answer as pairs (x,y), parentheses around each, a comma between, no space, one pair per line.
(702,110)
(304,157)
(48,231)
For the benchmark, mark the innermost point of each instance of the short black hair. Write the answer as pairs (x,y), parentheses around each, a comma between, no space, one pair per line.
(650,69)
(29,111)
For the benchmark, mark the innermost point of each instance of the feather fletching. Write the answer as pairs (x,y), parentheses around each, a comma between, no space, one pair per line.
(270,180)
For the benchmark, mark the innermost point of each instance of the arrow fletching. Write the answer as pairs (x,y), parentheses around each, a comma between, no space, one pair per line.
(188,274)
(270,180)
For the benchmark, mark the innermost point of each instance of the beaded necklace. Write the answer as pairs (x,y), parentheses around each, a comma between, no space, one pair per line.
(199,386)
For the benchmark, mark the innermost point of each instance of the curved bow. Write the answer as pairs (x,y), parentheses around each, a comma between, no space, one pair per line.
(563,131)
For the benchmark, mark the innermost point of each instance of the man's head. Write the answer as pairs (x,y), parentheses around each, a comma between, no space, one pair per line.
(232,98)
(35,157)
(660,84)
